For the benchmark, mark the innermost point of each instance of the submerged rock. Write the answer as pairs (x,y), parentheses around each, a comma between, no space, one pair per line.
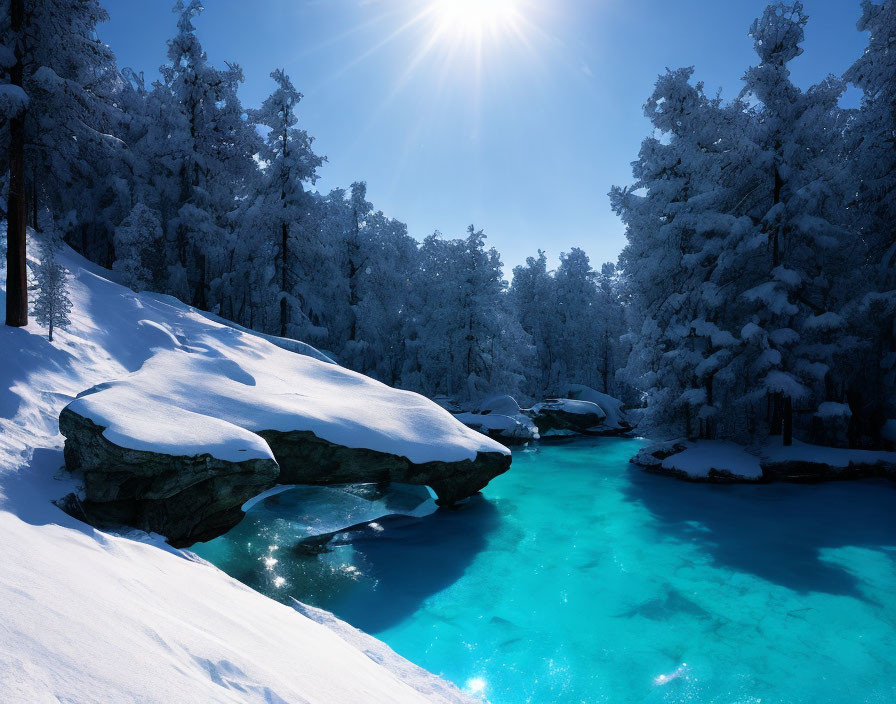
(187,498)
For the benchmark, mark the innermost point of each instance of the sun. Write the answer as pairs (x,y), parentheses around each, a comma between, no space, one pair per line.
(475,19)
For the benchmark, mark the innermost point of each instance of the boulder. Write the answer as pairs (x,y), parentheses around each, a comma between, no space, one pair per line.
(567,415)
(616,422)
(187,498)
(305,458)
(508,430)
(187,422)
(502,404)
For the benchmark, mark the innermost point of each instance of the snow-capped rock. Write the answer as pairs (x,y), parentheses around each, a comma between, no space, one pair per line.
(510,430)
(616,419)
(209,392)
(567,414)
(189,494)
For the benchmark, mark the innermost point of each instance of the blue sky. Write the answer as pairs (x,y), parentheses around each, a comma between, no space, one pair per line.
(520,129)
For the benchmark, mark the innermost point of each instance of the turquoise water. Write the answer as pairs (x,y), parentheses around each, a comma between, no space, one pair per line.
(578,578)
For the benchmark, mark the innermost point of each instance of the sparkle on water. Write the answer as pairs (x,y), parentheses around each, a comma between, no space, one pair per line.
(578,578)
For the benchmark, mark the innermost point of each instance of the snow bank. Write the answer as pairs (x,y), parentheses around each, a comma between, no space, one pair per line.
(702,457)
(90,617)
(716,460)
(835,457)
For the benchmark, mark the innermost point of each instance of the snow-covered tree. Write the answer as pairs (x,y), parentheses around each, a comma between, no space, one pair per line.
(871,141)
(738,255)
(206,147)
(138,254)
(462,336)
(284,208)
(51,300)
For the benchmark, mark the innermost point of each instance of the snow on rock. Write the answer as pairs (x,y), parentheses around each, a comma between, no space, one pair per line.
(616,417)
(503,428)
(91,617)
(223,376)
(586,412)
(199,389)
(562,414)
(722,461)
(503,404)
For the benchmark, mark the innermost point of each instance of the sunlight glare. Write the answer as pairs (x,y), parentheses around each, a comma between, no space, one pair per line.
(473,18)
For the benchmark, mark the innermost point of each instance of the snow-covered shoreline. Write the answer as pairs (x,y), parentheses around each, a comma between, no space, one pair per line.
(727,462)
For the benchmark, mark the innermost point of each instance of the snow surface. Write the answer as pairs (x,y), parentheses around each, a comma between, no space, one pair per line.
(207,384)
(702,456)
(502,404)
(91,617)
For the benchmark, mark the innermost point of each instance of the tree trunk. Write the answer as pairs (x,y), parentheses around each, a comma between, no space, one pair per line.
(776,245)
(606,370)
(34,201)
(16,271)
(284,232)
(788,421)
(777,413)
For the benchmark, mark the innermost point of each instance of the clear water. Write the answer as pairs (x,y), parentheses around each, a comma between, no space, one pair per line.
(578,578)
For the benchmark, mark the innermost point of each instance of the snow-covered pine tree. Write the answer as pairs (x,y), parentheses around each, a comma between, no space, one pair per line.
(871,141)
(138,249)
(75,159)
(207,148)
(464,340)
(284,208)
(532,295)
(795,301)
(51,304)
(382,287)
(681,235)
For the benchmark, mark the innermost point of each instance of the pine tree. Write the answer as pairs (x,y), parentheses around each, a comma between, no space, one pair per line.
(285,208)
(51,302)
(137,249)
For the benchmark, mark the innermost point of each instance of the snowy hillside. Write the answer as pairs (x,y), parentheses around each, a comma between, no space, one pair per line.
(88,616)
